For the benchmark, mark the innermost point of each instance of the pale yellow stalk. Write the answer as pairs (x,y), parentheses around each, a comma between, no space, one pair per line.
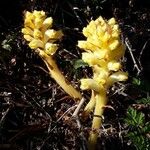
(101,101)
(59,77)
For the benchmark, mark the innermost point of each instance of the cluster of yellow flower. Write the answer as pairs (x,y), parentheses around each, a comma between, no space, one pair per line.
(103,52)
(37,30)
(42,38)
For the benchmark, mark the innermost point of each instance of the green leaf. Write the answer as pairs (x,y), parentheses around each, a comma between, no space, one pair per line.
(136,81)
(139,129)
(79,63)
(146,128)
(6,44)
(144,101)
(143,85)
(134,118)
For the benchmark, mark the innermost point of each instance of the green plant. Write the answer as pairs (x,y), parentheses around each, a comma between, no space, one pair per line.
(144,101)
(143,85)
(139,129)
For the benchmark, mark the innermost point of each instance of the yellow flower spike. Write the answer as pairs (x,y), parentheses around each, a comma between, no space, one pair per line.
(37,31)
(103,52)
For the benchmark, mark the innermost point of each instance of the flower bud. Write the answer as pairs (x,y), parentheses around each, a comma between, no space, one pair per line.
(114,65)
(50,48)
(34,44)
(87,84)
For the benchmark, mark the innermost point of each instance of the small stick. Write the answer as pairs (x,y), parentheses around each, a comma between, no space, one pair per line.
(75,114)
(144,46)
(128,44)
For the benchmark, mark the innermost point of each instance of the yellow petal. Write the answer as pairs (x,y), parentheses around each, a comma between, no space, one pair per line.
(106,37)
(101,53)
(100,21)
(47,23)
(114,65)
(28,38)
(37,34)
(114,44)
(87,84)
(50,48)
(100,73)
(87,46)
(29,15)
(116,77)
(89,58)
(94,40)
(92,60)
(38,22)
(112,21)
(117,53)
(51,35)
(28,23)
(90,29)
(86,33)
(27,31)
(34,44)
(39,14)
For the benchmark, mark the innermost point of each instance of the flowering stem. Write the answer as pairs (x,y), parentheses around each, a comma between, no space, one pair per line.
(58,76)
(101,101)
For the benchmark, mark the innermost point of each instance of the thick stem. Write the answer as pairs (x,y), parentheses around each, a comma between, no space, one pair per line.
(58,76)
(101,101)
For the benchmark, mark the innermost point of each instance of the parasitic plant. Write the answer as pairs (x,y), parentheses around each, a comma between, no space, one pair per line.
(103,51)
(42,38)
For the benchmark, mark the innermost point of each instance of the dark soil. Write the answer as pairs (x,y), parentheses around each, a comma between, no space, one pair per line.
(32,104)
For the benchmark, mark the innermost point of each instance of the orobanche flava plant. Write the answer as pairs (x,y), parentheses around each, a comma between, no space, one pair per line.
(42,38)
(104,49)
